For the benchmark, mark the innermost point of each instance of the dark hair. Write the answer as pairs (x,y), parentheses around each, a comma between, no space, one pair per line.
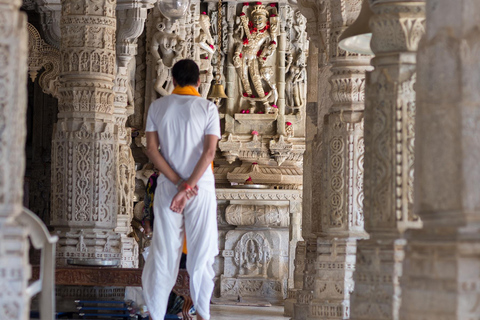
(186,73)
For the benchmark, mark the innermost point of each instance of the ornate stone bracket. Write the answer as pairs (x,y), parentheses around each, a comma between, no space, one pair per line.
(42,55)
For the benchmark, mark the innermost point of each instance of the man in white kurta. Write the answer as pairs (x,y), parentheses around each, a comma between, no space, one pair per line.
(186,127)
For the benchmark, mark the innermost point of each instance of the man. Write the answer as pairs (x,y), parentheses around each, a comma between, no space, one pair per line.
(186,127)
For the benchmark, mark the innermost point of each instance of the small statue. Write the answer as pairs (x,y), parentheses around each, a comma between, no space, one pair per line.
(252,54)
(166,48)
(296,82)
(205,52)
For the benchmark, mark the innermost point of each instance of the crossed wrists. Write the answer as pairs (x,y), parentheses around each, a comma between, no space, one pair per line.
(182,183)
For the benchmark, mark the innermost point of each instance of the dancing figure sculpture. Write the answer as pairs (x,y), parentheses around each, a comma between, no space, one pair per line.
(253,52)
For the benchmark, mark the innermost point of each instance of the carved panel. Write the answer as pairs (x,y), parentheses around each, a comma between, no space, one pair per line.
(258,215)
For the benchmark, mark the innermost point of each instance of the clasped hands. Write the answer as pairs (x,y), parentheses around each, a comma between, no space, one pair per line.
(185,192)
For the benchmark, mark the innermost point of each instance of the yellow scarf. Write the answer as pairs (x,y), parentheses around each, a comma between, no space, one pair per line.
(187,90)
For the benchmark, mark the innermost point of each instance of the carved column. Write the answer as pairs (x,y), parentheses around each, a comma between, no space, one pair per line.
(131,17)
(343,148)
(311,126)
(442,261)
(317,18)
(389,139)
(14,302)
(85,142)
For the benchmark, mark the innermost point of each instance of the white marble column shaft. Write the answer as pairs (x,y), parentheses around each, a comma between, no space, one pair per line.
(442,261)
(85,142)
(389,140)
(14,266)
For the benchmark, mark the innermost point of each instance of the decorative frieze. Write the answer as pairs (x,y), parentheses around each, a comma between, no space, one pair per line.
(258,215)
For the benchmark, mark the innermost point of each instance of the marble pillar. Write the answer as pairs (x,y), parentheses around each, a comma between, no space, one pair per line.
(131,16)
(442,261)
(389,157)
(85,142)
(14,266)
(311,127)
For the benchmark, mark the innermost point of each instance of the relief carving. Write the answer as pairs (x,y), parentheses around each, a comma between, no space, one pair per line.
(258,215)
(252,255)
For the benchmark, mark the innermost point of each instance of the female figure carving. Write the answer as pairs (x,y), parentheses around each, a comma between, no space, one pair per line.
(165,50)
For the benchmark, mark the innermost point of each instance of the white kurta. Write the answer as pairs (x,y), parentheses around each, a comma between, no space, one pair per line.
(182,123)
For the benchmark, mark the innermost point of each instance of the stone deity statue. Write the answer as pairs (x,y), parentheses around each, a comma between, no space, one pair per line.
(295,82)
(205,52)
(166,49)
(253,52)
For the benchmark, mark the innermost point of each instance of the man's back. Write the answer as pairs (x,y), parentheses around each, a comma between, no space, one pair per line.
(182,121)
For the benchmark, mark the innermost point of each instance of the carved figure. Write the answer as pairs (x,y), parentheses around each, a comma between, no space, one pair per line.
(251,56)
(300,28)
(205,52)
(166,48)
(295,83)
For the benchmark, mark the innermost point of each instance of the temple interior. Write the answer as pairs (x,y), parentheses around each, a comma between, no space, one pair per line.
(346,175)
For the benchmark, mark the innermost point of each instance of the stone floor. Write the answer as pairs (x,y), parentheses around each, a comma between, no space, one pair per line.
(219,312)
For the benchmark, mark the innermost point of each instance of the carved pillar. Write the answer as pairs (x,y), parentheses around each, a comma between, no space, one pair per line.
(14,302)
(343,150)
(85,142)
(311,127)
(319,103)
(389,138)
(442,261)
(131,17)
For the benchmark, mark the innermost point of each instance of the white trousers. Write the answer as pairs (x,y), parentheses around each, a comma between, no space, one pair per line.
(199,221)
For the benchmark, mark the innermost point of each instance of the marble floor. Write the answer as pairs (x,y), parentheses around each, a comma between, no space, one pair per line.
(219,312)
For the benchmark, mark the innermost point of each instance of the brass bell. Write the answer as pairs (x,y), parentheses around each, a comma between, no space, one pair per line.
(217,91)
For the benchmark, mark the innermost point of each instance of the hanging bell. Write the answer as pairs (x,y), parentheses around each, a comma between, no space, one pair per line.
(217,91)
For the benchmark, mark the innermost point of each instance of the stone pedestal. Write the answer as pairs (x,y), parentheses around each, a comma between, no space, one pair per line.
(389,157)
(85,143)
(256,250)
(442,261)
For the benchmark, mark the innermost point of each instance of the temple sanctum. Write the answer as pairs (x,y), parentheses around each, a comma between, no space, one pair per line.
(345,175)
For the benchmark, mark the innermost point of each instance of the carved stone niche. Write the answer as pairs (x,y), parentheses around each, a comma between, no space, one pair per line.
(256,265)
